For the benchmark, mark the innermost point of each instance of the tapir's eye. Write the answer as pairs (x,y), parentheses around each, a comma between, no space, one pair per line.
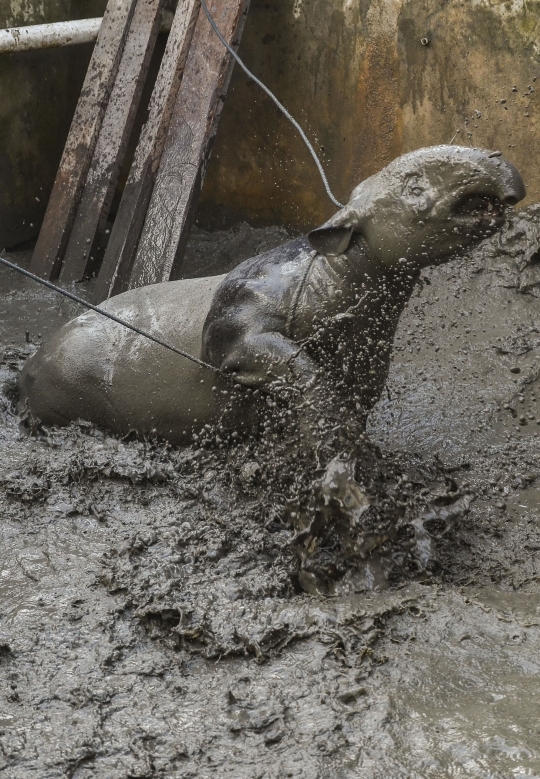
(413,187)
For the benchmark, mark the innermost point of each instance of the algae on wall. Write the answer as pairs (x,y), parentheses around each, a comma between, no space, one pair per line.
(39,92)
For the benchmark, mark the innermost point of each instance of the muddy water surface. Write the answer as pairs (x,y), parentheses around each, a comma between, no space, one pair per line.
(151,619)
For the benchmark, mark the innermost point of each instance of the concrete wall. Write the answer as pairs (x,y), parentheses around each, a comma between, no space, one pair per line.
(353,72)
(39,91)
(356,75)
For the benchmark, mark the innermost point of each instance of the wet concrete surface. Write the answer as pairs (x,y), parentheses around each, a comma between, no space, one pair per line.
(151,618)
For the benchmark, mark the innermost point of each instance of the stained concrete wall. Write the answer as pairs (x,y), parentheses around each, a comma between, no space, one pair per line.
(38,92)
(354,72)
(356,75)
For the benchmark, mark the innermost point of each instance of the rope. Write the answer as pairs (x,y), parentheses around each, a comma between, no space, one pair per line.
(281,107)
(112,317)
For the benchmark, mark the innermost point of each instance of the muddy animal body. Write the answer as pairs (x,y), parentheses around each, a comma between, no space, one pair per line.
(95,370)
(318,311)
(342,320)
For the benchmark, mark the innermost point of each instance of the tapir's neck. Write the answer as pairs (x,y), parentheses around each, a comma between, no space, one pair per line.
(371,300)
(359,270)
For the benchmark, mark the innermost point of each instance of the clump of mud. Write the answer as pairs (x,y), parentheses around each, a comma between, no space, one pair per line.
(360,517)
(375,521)
(261,520)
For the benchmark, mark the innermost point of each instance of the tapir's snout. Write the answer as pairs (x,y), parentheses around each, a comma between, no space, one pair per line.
(499,178)
(467,186)
(516,194)
(488,184)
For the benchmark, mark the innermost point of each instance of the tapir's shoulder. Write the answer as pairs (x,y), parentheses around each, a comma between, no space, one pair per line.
(284,261)
(258,293)
(267,280)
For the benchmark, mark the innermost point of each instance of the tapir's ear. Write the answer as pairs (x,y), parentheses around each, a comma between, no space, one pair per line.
(330,240)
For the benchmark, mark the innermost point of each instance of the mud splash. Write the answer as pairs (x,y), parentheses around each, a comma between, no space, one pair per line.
(152,619)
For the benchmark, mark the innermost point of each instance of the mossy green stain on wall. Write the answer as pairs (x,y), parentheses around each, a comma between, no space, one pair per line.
(15,13)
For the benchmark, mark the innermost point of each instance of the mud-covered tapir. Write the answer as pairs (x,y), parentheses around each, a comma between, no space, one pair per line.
(319,310)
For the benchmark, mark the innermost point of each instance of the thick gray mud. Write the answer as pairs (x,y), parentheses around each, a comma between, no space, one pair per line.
(152,618)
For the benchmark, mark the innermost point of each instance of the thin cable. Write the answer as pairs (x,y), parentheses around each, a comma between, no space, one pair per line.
(116,319)
(281,107)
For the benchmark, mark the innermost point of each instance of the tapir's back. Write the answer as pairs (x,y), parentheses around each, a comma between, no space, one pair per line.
(100,371)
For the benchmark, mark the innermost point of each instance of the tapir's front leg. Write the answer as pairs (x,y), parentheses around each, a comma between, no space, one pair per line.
(278,366)
(262,359)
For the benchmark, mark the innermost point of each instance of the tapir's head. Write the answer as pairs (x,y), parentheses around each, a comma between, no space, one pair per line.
(425,206)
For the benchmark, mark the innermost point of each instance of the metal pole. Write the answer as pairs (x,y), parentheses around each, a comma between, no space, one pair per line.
(51,36)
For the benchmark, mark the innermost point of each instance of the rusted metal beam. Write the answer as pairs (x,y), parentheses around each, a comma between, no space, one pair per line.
(116,266)
(188,145)
(113,138)
(82,138)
